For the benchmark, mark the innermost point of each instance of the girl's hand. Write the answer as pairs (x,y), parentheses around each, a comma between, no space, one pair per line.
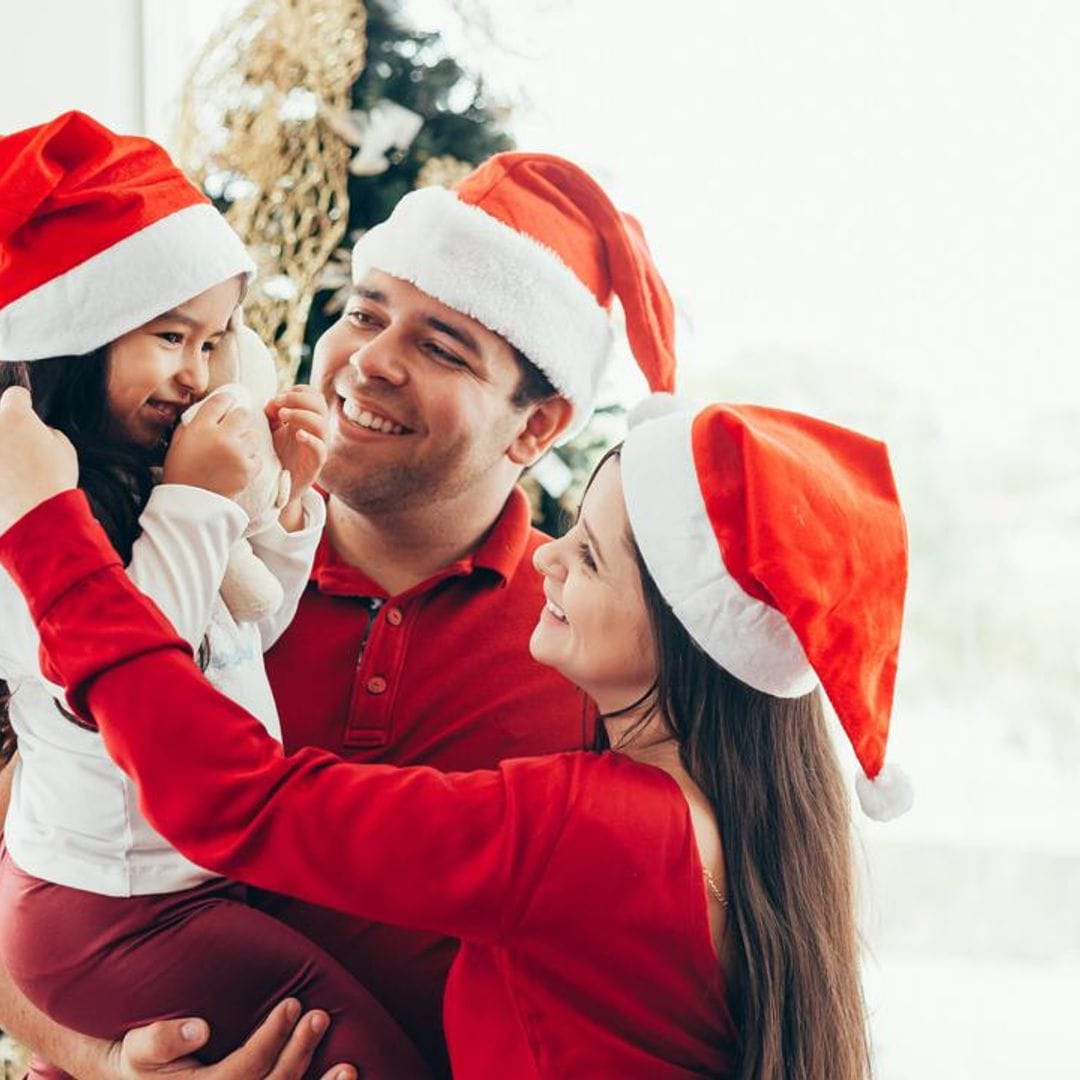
(36,462)
(299,421)
(217,450)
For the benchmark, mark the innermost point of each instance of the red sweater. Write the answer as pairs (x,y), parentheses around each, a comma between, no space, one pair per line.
(412,685)
(573,880)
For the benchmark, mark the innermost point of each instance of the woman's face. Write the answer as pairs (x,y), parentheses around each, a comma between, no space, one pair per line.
(157,370)
(594,628)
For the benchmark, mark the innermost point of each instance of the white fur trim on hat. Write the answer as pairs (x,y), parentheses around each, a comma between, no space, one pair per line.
(506,280)
(658,403)
(888,795)
(138,278)
(747,637)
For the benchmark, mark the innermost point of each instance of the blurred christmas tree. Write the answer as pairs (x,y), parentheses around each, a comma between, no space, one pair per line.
(306,121)
(418,118)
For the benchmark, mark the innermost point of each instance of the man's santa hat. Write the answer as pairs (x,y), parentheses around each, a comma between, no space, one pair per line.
(779,542)
(99,234)
(530,246)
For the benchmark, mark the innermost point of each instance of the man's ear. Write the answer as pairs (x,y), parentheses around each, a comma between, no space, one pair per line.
(543,423)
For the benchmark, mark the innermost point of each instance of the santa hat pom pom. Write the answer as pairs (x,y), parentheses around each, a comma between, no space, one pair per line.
(887,796)
(656,405)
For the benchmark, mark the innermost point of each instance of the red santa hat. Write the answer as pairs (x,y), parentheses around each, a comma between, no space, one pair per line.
(99,233)
(779,542)
(530,246)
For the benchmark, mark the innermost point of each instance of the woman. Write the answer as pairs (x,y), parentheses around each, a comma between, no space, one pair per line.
(673,908)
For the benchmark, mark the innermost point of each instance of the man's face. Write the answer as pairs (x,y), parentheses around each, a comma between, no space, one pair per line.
(419,399)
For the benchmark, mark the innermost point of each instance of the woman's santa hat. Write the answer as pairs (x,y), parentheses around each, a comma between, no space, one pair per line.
(99,234)
(779,542)
(530,246)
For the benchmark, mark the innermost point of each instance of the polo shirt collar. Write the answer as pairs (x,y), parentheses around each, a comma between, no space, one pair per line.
(499,555)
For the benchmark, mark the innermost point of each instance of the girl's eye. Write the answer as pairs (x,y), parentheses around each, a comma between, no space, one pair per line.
(209,346)
(359,318)
(171,337)
(586,555)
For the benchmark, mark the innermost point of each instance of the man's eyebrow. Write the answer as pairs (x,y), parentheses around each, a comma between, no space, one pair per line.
(187,320)
(592,541)
(365,293)
(455,332)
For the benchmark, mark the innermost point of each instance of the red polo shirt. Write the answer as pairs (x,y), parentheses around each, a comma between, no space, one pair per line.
(438,675)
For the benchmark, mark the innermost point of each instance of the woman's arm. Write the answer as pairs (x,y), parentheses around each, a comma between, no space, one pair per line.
(178,561)
(454,853)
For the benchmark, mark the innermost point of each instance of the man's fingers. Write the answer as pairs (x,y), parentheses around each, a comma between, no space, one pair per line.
(258,1056)
(166,1041)
(284,1050)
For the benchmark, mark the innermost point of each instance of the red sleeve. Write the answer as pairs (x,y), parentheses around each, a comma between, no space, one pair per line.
(455,853)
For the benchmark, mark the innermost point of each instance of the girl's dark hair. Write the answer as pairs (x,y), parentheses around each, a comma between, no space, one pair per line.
(768,769)
(68,393)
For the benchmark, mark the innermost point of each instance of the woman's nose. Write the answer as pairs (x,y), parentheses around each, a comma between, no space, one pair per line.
(547,561)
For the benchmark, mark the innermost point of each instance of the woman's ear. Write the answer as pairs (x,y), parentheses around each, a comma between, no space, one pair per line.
(542,424)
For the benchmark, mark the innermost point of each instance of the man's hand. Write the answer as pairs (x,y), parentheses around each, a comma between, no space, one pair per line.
(36,462)
(299,420)
(279,1049)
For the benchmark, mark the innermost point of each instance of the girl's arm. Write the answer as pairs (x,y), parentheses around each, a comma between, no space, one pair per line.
(289,556)
(455,853)
(179,560)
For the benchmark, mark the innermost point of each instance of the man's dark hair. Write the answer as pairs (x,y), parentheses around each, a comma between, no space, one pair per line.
(533,385)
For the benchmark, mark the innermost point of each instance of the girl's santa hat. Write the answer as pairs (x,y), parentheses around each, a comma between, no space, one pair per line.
(779,542)
(99,234)
(531,247)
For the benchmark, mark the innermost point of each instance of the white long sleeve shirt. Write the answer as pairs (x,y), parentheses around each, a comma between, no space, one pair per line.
(74,817)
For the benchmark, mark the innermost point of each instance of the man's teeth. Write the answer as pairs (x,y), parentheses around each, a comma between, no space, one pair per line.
(556,611)
(370,420)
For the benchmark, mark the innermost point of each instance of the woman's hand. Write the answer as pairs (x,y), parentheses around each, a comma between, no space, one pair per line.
(279,1049)
(299,420)
(217,450)
(36,462)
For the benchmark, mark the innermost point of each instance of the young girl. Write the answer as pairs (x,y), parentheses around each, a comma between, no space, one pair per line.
(679,905)
(118,282)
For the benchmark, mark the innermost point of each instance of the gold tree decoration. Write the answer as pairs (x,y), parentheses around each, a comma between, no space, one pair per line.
(254,132)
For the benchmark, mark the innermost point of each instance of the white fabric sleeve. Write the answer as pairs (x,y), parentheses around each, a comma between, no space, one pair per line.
(180,558)
(178,561)
(289,557)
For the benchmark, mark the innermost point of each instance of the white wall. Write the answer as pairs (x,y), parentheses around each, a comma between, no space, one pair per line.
(57,55)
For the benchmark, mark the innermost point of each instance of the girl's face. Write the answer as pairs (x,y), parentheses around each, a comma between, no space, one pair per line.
(157,370)
(594,628)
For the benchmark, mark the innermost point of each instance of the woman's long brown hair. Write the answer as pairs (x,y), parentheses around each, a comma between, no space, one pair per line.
(768,769)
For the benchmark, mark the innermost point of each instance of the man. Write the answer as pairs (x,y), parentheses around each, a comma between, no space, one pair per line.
(475,337)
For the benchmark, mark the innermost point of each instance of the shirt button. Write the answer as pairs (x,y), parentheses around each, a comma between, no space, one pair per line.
(376,684)
(394,616)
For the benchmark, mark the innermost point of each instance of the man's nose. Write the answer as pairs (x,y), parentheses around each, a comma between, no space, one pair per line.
(380,358)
